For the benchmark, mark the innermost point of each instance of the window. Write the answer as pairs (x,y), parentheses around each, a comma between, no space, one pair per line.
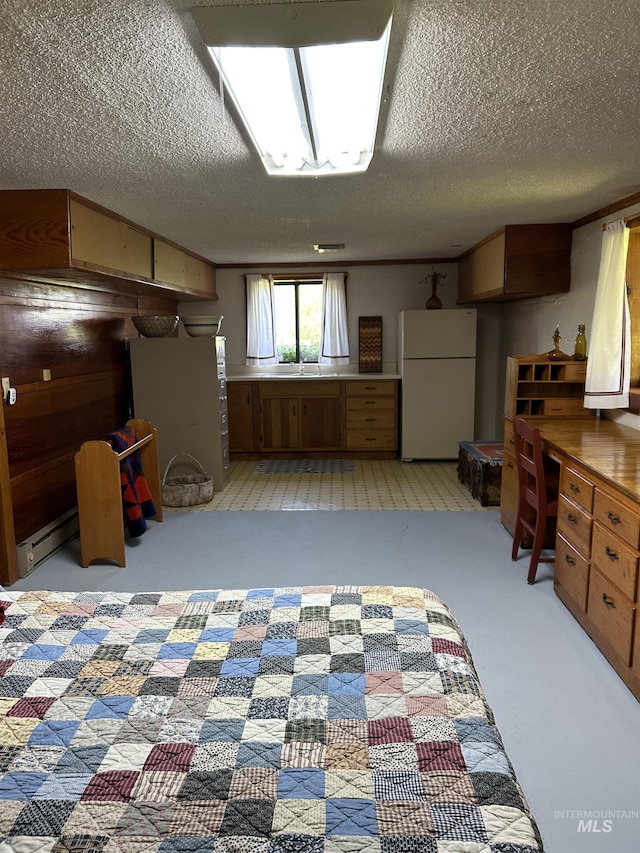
(298,319)
(309,322)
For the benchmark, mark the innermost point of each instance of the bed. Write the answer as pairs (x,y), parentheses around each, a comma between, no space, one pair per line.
(291,720)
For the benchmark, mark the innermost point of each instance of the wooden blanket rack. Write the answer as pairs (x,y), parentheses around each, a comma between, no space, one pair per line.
(99,490)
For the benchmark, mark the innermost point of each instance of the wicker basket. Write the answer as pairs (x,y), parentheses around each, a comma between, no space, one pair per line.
(186,489)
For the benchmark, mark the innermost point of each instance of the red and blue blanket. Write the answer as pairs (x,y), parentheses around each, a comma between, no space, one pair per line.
(137,503)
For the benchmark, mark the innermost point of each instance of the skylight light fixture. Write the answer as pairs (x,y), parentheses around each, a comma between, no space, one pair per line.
(306,78)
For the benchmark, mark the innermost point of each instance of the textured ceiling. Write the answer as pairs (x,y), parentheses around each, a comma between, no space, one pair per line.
(495,112)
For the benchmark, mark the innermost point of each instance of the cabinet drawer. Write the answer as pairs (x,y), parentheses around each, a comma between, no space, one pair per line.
(572,572)
(575,372)
(299,388)
(575,525)
(620,519)
(615,560)
(376,419)
(362,439)
(509,441)
(576,488)
(611,614)
(365,404)
(368,389)
(565,406)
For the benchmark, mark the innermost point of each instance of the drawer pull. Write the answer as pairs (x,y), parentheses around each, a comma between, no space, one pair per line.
(608,601)
(370,420)
(574,488)
(569,559)
(614,519)
(611,554)
(370,402)
(509,464)
(572,519)
(369,439)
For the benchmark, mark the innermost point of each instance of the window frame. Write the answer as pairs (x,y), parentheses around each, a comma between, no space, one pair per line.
(297,281)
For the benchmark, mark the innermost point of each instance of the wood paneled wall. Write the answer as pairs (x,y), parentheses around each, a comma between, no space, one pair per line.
(79,334)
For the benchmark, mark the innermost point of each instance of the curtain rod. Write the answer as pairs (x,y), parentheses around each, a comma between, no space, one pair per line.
(629,221)
(294,276)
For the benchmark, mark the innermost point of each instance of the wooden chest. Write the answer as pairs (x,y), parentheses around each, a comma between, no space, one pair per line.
(480,469)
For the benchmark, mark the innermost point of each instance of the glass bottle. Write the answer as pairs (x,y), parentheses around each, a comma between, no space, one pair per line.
(580,352)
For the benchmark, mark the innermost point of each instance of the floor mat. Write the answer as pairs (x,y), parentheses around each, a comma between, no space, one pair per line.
(304,466)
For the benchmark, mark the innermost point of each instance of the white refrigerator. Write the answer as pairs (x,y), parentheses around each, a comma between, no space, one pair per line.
(437,365)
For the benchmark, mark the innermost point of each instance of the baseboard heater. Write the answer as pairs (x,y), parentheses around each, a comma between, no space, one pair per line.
(46,541)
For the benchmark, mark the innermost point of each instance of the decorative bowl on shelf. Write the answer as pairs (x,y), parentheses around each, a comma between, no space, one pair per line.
(155,325)
(202,326)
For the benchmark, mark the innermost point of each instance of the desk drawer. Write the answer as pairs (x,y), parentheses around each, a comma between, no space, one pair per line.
(615,560)
(575,525)
(611,614)
(572,572)
(615,516)
(576,488)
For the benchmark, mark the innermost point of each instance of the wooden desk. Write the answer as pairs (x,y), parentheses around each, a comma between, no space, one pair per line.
(598,536)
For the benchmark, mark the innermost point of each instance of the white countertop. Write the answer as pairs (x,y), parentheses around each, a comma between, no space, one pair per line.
(286,372)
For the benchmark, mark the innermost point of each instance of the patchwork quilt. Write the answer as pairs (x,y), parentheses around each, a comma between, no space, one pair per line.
(291,720)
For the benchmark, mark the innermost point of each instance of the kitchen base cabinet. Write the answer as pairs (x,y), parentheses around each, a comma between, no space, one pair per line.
(320,423)
(321,417)
(371,413)
(240,402)
(279,423)
(300,414)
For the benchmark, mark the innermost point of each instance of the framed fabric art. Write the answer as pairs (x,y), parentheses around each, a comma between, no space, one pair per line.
(370,344)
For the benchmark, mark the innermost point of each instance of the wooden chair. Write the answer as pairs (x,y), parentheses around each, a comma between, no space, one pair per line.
(537,496)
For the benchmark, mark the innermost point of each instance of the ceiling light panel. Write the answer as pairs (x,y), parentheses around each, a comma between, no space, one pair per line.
(310,104)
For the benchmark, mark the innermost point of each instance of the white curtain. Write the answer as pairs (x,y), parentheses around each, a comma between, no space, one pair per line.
(334,340)
(261,332)
(609,365)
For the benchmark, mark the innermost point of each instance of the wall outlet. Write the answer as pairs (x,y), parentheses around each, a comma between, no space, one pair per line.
(46,374)
(6,384)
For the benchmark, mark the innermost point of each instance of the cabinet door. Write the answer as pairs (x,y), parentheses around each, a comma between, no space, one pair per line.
(320,423)
(168,263)
(95,238)
(240,404)
(199,275)
(280,423)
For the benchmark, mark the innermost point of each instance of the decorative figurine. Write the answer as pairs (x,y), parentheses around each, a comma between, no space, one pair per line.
(556,353)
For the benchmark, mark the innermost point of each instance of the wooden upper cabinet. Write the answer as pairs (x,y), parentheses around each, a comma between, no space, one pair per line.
(101,240)
(58,234)
(168,263)
(517,262)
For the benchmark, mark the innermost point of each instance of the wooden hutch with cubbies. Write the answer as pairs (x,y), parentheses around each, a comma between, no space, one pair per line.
(536,387)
